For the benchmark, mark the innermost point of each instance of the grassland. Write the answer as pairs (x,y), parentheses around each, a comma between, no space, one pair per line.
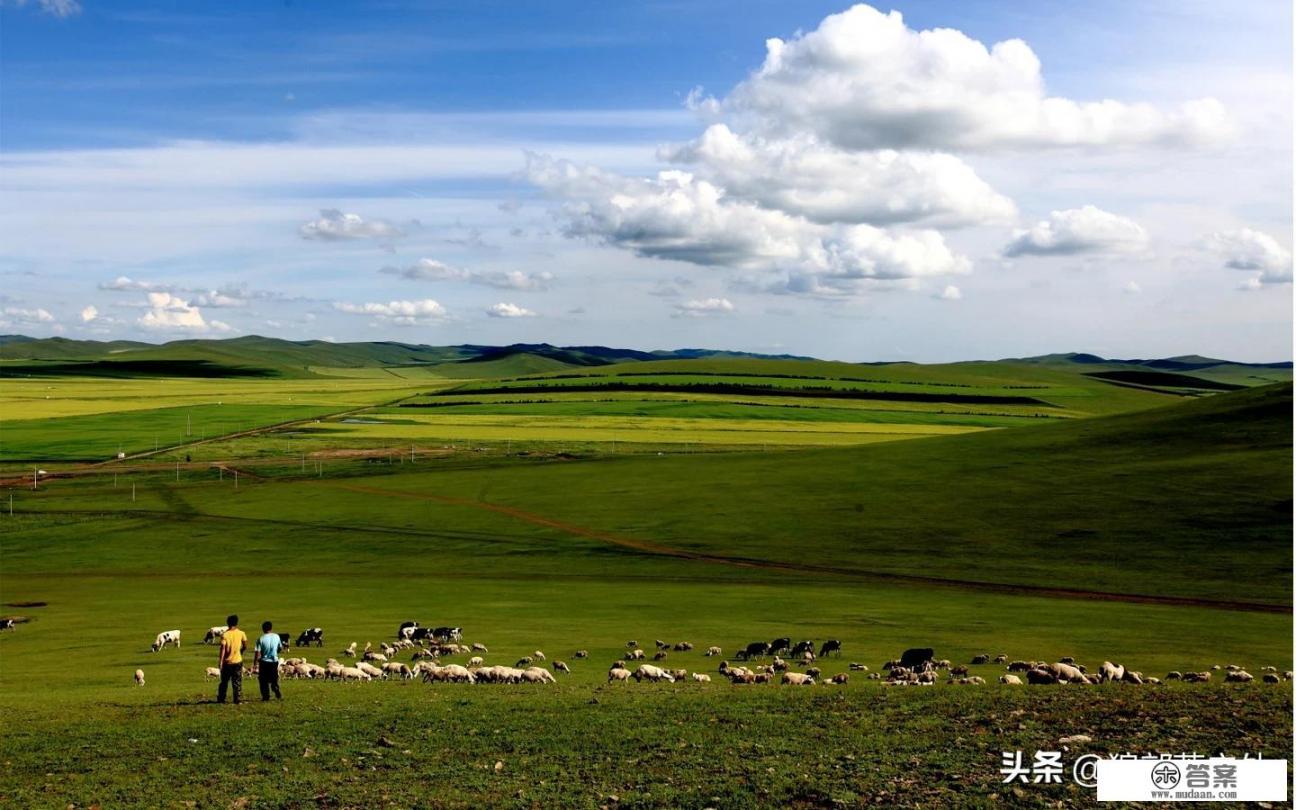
(1143,526)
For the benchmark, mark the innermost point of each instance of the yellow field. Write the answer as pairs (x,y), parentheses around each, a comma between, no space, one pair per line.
(49,398)
(481,427)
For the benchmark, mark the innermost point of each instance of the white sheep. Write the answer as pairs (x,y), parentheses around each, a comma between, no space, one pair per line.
(476,661)
(701,677)
(618,675)
(213,672)
(139,677)
(537,675)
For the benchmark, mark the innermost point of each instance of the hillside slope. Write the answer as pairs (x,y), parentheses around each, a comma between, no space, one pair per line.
(1189,500)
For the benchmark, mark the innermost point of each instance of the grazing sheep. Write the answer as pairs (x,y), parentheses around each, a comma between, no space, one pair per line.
(1001,658)
(797,679)
(944,663)
(652,673)
(139,677)
(1173,675)
(683,646)
(1196,677)
(763,677)
(840,678)
(858,667)
(476,661)
(813,672)
(1287,676)
(984,658)
(561,666)
(212,672)
(875,676)
(1272,677)
(537,655)
(1133,677)
(537,675)
(702,677)
(369,669)
(1068,673)
(350,651)
(959,671)
(713,651)
(1041,676)
(631,644)
(374,656)
(618,675)
(1021,666)
(456,673)
(352,674)
(1239,676)
(662,645)
(581,654)
(1011,680)
(478,647)
(214,634)
(397,669)
(1110,672)
(524,661)
(660,655)
(617,665)
(635,655)
(778,664)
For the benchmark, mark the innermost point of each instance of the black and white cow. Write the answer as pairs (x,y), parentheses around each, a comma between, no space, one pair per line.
(832,645)
(309,636)
(166,638)
(447,633)
(803,647)
(7,624)
(406,631)
(779,645)
(757,649)
(419,633)
(286,638)
(215,634)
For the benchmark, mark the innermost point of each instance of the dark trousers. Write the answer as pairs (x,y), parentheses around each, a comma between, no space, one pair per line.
(230,674)
(268,676)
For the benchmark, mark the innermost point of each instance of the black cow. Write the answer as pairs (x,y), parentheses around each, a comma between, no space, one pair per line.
(779,645)
(311,635)
(832,645)
(447,633)
(803,647)
(404,631)
(285,638)
(915,657)
(419,633)
(757,649)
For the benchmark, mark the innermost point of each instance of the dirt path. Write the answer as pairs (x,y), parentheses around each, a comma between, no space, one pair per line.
(649,547)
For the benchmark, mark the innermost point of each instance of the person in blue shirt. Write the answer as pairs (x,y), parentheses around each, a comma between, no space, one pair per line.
(267,661)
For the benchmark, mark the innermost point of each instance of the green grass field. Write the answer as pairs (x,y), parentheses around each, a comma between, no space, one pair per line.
(1145,527)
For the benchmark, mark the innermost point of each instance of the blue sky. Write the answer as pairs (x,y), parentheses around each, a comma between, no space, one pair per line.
(491,172)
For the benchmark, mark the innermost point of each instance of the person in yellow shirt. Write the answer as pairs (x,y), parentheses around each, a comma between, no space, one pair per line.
(233,643)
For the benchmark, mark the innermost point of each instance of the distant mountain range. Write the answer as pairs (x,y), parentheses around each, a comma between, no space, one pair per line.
(271,354)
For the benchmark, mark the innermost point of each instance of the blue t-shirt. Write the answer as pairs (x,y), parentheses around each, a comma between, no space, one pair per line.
(268,645)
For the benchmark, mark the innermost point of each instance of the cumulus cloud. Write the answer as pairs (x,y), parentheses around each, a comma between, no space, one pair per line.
(865,80)
(167,312)
(677,216)
(433,270)
(503,310)
(128,284)
(89,314)
(1078,230)
(699,308)
(1250,250)
(950,293)
(24,315)
(399,313)
(801,175)
(335,226)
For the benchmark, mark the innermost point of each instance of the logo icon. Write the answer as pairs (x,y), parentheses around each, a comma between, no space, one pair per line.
(1165,775)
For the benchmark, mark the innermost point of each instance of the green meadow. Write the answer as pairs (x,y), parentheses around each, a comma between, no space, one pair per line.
(1149,526)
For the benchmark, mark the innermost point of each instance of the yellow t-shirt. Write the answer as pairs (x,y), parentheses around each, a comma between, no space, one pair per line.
(232,646)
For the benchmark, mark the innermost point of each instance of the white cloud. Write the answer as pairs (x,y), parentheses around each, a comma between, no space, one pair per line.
(433,270)
(167,312)
(1246,249)
(698,308)
(24,315)
(676,216)
(950,293)
(128,284)
(503,310)
(334,225)
(801,175)
(864,80)
(57,8)
(399,313)
(89,314)
(1131,288)
(1078,230)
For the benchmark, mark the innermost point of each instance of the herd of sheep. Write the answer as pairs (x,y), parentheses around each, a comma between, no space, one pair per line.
(762,663)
